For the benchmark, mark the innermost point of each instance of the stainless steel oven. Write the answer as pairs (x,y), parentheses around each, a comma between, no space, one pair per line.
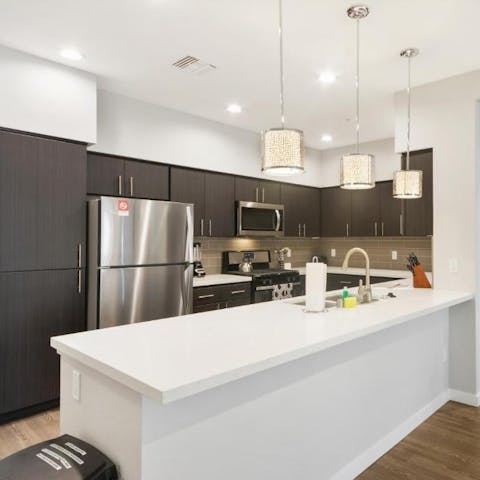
(260,219)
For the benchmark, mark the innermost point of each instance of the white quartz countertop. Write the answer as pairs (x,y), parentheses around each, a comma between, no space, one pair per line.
(219,279)
(177,357)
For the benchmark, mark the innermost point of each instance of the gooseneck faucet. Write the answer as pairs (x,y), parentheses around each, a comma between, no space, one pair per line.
(368,290)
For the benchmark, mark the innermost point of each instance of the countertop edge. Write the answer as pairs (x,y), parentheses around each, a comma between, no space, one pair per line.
(177,393)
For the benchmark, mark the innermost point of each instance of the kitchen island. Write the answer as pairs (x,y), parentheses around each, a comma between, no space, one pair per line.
(264,391)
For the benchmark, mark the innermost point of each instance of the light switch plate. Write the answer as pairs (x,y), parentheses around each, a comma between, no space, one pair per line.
(453,265)
(333,252)
(76,381)
(394,255)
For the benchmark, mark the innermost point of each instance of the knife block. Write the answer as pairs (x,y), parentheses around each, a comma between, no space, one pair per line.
(420,279)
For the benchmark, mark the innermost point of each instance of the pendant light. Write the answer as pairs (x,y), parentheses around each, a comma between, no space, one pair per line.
(407,184)
(357,171)
(283,149)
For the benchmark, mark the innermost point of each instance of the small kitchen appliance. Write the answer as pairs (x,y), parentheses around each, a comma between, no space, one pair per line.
(198,270)
(267,283)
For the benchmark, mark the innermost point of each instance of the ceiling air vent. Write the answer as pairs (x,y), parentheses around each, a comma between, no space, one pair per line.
(193,65)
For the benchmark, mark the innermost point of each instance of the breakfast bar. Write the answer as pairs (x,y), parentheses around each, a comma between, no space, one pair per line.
(264,391)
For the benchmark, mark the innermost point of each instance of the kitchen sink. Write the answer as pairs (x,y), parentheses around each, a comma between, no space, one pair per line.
(330,301)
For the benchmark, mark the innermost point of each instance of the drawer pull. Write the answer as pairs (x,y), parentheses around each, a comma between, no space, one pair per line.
(234,292)
(344,282)
(206,296)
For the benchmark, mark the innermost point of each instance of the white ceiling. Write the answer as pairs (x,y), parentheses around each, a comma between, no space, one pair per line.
(130,45)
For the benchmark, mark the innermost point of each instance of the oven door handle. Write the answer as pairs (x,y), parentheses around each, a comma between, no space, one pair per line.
(279,219)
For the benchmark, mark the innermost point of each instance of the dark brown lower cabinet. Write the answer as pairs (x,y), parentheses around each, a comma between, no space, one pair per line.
(35,306)
(216,297)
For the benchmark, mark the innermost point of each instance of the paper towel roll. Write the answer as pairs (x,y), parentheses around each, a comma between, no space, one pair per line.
(315,286)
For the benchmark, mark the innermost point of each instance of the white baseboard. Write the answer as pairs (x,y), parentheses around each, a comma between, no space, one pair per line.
(372,454)
(464,397)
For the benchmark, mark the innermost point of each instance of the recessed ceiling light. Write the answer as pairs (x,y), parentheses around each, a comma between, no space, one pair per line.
(234,108)
(327,77)
(71,54)
(326,137)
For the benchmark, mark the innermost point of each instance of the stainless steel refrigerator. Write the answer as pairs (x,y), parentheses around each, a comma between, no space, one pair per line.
(140,255)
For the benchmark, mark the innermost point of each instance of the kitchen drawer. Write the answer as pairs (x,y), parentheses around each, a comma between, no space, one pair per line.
(206,295)
(222,293)
(207,307)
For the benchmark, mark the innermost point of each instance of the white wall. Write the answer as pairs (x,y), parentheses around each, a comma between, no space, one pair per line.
(444,118)
(386,160)
(137,129)
(45,97)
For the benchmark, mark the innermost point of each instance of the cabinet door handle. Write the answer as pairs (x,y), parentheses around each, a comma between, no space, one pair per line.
(201,227)
(211,295)
(235,292)
(210,227)
(79,255)
(119,184)
(304,230)
(299,230)
(256,194)
(131,186)
(348,232)
(401,224)
(383,229)
(263,195)
(79,286)
(376,229)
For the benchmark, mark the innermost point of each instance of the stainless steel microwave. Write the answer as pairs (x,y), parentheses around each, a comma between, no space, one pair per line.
(260,219)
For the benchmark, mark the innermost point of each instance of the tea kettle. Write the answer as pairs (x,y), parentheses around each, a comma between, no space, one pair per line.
(246,264)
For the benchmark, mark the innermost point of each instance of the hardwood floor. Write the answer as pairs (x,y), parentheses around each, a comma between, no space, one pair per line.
(20,434)
(445,447)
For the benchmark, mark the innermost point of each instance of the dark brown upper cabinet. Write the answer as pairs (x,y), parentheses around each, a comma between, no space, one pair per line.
(42,194)
(118,176)
(147,180)
(365,217)
(302,210)
(391,217)
(188,186)
(219,205)
(336,212)
(419,212)
(105,175)
(213,197)
(256,190)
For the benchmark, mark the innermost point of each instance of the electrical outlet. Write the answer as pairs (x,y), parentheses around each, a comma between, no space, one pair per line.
(453,265)
(394,255)
(333,252)
(76,381)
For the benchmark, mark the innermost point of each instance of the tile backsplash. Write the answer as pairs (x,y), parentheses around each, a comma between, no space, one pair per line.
(379,250)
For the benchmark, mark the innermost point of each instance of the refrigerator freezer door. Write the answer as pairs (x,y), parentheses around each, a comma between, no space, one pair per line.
(144,232)
(137,294)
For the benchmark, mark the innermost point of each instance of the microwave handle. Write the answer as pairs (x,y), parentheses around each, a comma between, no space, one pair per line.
(279,220)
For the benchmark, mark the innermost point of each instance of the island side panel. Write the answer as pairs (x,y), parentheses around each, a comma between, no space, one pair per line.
(325,416)
(107,415)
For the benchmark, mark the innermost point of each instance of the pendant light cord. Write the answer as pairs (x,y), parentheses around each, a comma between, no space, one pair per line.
(408,112)
(357,86)
(280,35)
